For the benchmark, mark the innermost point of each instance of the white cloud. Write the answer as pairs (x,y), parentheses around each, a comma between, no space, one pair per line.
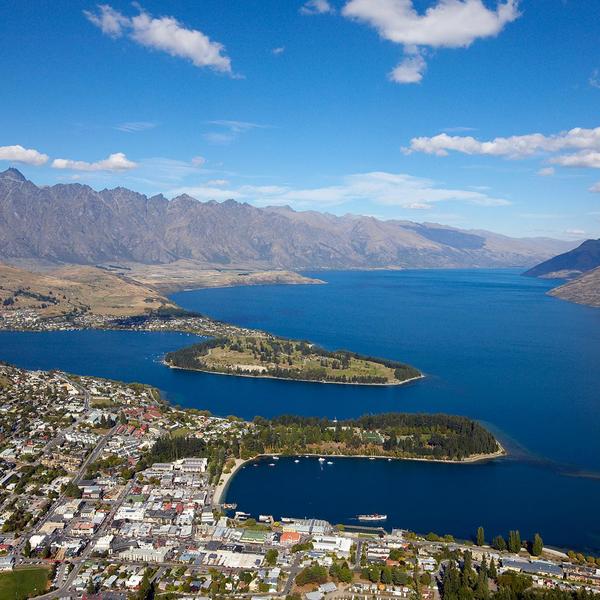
(594,79)
(217,182)
(115,162)
(279,50)
(232,130)
(19,154)
(410,70)
(198,161)
(162,33)
(135,126)
(316,7)
(589,159)
(110,21)
(575,232)
(584,144)
(446,24)
(546,172)
(380,188)
(595,188)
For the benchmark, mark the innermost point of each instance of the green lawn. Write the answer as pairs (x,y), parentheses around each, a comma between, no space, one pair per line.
(23,583)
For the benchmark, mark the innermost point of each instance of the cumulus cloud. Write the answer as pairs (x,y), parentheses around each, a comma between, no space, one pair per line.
(115,162)
(162,33)
(577,147)
(380,188)
(316,7)
(446,24)
(546,172)
(410,70)
(135,126)
(279,50)
(589,159)
(26,156)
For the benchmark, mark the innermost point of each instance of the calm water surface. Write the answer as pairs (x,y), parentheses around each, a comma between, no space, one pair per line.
(494,347)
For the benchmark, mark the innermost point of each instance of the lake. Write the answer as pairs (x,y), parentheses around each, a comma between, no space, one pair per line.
(494,347)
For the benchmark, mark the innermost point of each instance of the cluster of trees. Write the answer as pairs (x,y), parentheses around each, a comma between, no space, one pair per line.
(399,434)
(17,520)
(466,583)
(341,572)
(513,544)
(314,573)
(579,557)
(388,575)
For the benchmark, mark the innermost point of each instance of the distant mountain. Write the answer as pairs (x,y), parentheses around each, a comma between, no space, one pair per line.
(583,290)
(72,223)
(570,264)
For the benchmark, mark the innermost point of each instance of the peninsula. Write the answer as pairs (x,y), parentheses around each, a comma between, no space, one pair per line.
(273,357)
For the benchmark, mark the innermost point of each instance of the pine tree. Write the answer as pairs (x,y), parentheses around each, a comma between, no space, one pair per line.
(499,543)
(493,572)
(514,541)
(480,536)
(537,546)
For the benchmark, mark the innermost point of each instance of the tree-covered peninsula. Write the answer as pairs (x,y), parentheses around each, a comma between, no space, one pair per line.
(394,435)
(268,356)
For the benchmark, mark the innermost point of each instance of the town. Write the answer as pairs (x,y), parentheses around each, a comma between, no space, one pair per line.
(109,492)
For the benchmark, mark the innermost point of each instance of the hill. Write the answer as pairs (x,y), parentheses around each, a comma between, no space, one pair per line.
(76,289)
(570,264)
(582,290)
(72,223)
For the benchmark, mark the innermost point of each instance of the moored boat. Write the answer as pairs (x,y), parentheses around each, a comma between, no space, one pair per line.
(373,517)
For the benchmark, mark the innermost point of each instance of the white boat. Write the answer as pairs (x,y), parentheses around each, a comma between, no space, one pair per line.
(275,457)
(271,464)
(296,461)
(329,462)
(375,517)
(321,459)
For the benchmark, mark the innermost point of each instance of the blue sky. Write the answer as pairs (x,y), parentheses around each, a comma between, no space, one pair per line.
(413,109)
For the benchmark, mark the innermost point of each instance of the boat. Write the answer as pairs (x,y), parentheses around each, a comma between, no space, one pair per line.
(374,517)
(296,461)
(275,457)
(329,462)
(371,458)
(229,506)
(286,520)
(271,464)
(321,459)
(389,460)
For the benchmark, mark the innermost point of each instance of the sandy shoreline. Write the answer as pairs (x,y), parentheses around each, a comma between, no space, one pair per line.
(226,478)
(164,362)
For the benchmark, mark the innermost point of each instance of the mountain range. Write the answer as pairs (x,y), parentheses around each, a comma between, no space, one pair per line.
(74,224)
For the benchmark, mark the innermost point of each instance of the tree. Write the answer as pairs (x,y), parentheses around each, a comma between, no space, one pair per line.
(499,543)
(493,571)
(514,541)
(537,546)
(480,536)
(271,557)
(91,587)
(27,549)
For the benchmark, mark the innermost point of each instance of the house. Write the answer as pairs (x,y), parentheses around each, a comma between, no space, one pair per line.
(289,538)
(328,588)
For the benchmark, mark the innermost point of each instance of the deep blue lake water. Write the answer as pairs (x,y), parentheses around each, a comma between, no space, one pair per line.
(494,347)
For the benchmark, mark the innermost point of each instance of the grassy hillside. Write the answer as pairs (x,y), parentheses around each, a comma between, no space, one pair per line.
(76,288)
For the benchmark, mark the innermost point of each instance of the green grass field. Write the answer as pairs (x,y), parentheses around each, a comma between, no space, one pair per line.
(23,583)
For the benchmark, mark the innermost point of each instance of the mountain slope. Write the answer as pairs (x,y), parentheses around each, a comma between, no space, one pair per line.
(570,264)
(583,290)
(72,223)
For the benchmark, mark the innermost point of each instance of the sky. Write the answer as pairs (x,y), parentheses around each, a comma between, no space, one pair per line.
(479,114)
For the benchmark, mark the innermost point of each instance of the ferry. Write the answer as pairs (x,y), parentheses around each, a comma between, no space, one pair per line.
(375,517)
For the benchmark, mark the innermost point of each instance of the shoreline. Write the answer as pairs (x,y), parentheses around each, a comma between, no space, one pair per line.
(391,384)
(223,485)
